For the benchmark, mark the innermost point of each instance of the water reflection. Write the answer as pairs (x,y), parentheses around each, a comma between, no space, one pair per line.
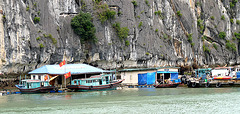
(128,100)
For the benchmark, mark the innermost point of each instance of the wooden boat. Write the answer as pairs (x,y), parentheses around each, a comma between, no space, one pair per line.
(34,86)
(101,82)
(173,85)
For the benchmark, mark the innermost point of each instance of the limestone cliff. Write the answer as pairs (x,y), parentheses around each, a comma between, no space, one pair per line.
(162,32)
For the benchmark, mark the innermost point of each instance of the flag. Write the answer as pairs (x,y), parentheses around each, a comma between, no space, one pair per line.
(46,77)
(67,75)
(62,63)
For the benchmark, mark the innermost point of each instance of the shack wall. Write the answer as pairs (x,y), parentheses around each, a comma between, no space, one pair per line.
(131,77)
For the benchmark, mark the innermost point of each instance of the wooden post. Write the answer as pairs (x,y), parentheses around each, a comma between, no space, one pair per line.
(163,78)
(65,73)
(19,79)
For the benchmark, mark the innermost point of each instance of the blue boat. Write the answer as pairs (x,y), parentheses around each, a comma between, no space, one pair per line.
(98,82)
(34,86)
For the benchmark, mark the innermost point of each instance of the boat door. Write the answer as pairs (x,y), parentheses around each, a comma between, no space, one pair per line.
(100,81)
(27,85)
(107,79)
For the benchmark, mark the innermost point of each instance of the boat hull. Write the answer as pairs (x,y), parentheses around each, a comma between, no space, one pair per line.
(111,86)
(222,78)
(45,89)
(166,85)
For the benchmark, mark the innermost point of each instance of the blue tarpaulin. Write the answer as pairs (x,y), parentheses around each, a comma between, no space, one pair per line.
(174,76)
(203,76)
(151,78)
(142,79)
(147,78)
(238,75)
(73,68)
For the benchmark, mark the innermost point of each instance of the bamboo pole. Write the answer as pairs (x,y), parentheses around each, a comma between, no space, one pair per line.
(65,73)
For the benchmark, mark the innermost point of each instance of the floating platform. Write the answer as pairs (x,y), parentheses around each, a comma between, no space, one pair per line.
(213,83)
(139,86)
(2,93)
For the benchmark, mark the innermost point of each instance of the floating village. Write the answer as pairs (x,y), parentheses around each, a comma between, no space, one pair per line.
(83,77)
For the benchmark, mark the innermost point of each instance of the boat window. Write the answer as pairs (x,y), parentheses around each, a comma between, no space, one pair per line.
(33,77)
(89,81)
(95,80)
(103,79)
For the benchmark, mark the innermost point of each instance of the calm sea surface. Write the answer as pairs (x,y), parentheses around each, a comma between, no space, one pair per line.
(143,100)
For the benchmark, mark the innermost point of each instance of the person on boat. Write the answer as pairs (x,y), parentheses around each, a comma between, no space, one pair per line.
(166,81)
(160,80)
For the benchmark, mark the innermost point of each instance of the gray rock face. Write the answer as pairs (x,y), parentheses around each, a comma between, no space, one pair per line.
(161,40)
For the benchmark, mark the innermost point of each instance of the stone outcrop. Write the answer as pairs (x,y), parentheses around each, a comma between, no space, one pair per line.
(161,40)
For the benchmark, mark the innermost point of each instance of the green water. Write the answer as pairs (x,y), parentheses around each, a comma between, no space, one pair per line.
(144,100)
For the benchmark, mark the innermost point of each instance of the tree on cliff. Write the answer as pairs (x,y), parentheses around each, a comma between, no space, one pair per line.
(83,26)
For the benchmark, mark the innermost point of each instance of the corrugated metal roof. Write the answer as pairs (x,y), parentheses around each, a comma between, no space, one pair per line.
(73,68)
(203,69)
(166,72)
(136,69)
(168,67)
(142,69)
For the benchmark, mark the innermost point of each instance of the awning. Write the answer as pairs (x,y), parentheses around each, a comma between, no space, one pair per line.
(166,72)
(53,78)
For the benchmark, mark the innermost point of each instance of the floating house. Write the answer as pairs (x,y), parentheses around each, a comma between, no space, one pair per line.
(138,76)
(56,73)
(167,74)
(148,76)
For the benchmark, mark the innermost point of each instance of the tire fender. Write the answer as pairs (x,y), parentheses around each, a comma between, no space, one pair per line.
(207,84)
(194,84)
(218,84)
(91,87)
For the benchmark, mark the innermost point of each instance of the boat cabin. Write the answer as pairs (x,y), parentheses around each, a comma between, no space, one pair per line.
(93,80)
(202,73)
(28,84)
(222,71)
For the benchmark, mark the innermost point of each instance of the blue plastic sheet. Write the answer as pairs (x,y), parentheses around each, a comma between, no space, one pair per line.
(203,76)
(174,76)
(238,75)
(151,78)
(142,79)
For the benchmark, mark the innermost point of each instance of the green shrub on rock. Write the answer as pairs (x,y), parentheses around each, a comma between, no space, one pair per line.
(122,32)
(36,19)
(83,26)
(134,3)
(179,14)
(222,35)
